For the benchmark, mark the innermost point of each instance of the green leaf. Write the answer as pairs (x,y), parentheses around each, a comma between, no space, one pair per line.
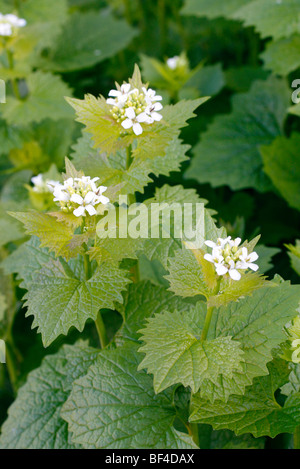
(187,276)
(265,254)
(256,412)
(162,249)
(45,100)
(232,141)
(245,332)
(54,235)
(113,169)
(271,18)
(34,420)
(212,9)
(174,353)
(282,56)
(60,296)
(86,39)
(126,412)
(294,254)
(143,300)
(282,164)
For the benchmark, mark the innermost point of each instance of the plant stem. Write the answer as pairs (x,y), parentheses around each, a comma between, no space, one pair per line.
(128,156)
(11,366)
(194,433)
(297,438)
(101,330)
(207,322)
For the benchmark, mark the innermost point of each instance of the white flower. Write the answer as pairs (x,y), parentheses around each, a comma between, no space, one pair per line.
(228,258)
(8,23)
(80,195)
(247,260)
(152,114)
(150,95)
(134,120)
(120,96)
(42,185)
(172,62)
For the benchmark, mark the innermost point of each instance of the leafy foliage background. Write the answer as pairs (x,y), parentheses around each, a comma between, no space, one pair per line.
(244,150)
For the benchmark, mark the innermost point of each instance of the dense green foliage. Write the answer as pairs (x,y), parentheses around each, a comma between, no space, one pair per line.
(122,342)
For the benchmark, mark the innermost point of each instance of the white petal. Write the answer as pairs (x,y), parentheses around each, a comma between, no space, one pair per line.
(104,200)
(137,128)
(237,241)
(111,101)
(130,113)
(157,117)
(253,256)
(90,209)
(210,244)
(234,274)
(125,87)
(127,123)
(89,197)
(158,106)
(254,267)
(101,189)
(143,117)
(78,212)
(77,199)
(114,93)
(209,258)
(221,269)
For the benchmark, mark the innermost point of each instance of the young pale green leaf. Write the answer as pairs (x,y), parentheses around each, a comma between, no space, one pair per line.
(34,420)
(54,235)
(175,354)
(256,412)
(282,165)
(187,277)
(60,296)
(45,100)
(144,300)
(233,290)
(294,254)
(126,412)
(271,18)
(232,141)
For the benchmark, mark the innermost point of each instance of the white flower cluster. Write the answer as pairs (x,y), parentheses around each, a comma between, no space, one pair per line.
(178,61)
(9,23)
(228,257)
(42,185)
(132,108)
(80,195)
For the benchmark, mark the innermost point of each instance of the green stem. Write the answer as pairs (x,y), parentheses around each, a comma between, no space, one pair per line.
(101,330)
(194,432)
(207,322)
(11,366)
(297,438)
(129,158)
